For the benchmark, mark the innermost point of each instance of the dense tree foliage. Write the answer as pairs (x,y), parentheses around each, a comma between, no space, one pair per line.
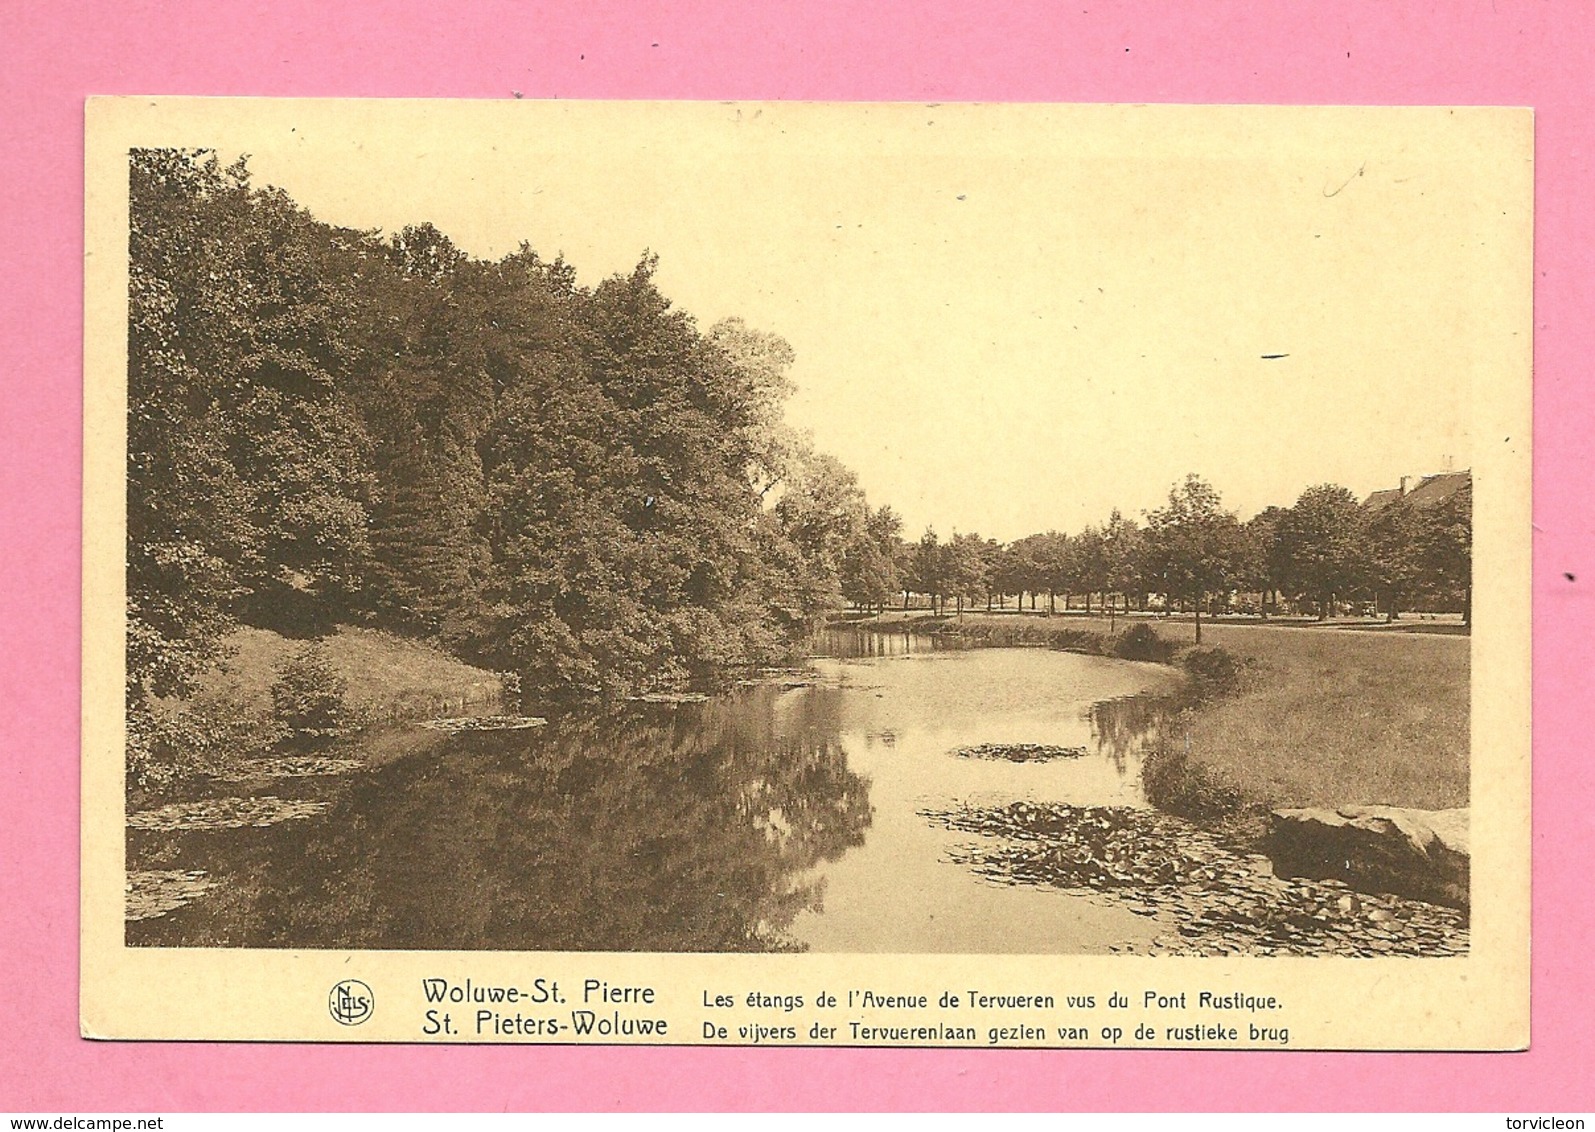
(873,559)
(577,485)
(1444,547)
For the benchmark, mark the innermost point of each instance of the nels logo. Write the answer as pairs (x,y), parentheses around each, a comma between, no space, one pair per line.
(351,1002)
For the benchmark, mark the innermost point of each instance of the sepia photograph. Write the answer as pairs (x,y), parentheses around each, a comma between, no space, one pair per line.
(977,584)
(938,530)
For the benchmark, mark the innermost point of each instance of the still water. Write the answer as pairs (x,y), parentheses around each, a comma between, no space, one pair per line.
(769,818)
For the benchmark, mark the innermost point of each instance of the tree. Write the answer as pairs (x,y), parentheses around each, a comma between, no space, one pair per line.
(1322,537)
(577,485)
(1056,568)
(629,545)
(822,513)
(1090,562)
(1192,544)
(1268,564)
(422,252)
(871,563)
(928,568)
(758,363)
(968,569)
(248,467)
(1009,571)
(1016,568)
(189,510)
(1445,548)
(1394,565)
(1121,541)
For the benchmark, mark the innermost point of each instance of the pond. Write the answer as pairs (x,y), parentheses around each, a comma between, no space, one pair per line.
(779,816)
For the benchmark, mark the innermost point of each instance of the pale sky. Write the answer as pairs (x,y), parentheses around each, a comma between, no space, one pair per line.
(1006,318)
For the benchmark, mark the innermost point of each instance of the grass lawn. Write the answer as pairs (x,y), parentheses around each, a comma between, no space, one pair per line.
(1325,716)
(1334,717)
(389,678)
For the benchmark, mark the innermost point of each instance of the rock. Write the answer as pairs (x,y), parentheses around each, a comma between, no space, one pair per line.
(1418,853)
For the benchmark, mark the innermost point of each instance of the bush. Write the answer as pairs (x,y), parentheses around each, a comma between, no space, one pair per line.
(1139,642)
(1216,672)
(1176,786)
(169,743)
(308,697)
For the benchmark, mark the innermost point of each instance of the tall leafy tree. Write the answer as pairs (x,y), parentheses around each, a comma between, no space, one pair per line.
(928,571)
(1058,568)
(1445,548)
(1323,537)
(1090,562)
(968,568)
(248,468)
(823,515)
(1267,557)
(871,564)
(190,514)
(1121,557)
(1394,560)
(1021,568)
(1192,544)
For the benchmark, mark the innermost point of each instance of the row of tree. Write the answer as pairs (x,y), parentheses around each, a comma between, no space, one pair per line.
(1325,551)
(578,485)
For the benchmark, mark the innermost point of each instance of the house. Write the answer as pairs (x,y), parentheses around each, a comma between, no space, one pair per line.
(1429,491)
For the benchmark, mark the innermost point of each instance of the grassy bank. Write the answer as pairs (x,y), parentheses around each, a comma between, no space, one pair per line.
(1321,716)
(270,690)
(388,679)
(1330,718)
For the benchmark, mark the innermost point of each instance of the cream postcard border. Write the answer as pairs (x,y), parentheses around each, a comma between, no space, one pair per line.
(1477,1002)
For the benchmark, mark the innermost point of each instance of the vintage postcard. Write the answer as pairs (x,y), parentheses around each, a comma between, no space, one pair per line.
(812,574)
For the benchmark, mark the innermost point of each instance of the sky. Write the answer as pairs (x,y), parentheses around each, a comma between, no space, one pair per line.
(1006,319)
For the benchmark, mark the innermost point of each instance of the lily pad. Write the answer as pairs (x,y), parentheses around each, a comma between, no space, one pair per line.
(1211,897)
(156,892)
(1020,752)
(292,766)
(486,723)
(225,813)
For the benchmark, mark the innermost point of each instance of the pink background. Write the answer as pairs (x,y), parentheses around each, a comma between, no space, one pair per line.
(1499,52)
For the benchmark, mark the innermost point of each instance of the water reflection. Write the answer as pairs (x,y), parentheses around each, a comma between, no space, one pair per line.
(659,829)
(841,641)
(768,818)
(1126,728)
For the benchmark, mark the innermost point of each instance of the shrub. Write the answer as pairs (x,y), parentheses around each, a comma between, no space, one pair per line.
(1139,642)
(1216,672)
(168,743)
(1177,786)
(308,697)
